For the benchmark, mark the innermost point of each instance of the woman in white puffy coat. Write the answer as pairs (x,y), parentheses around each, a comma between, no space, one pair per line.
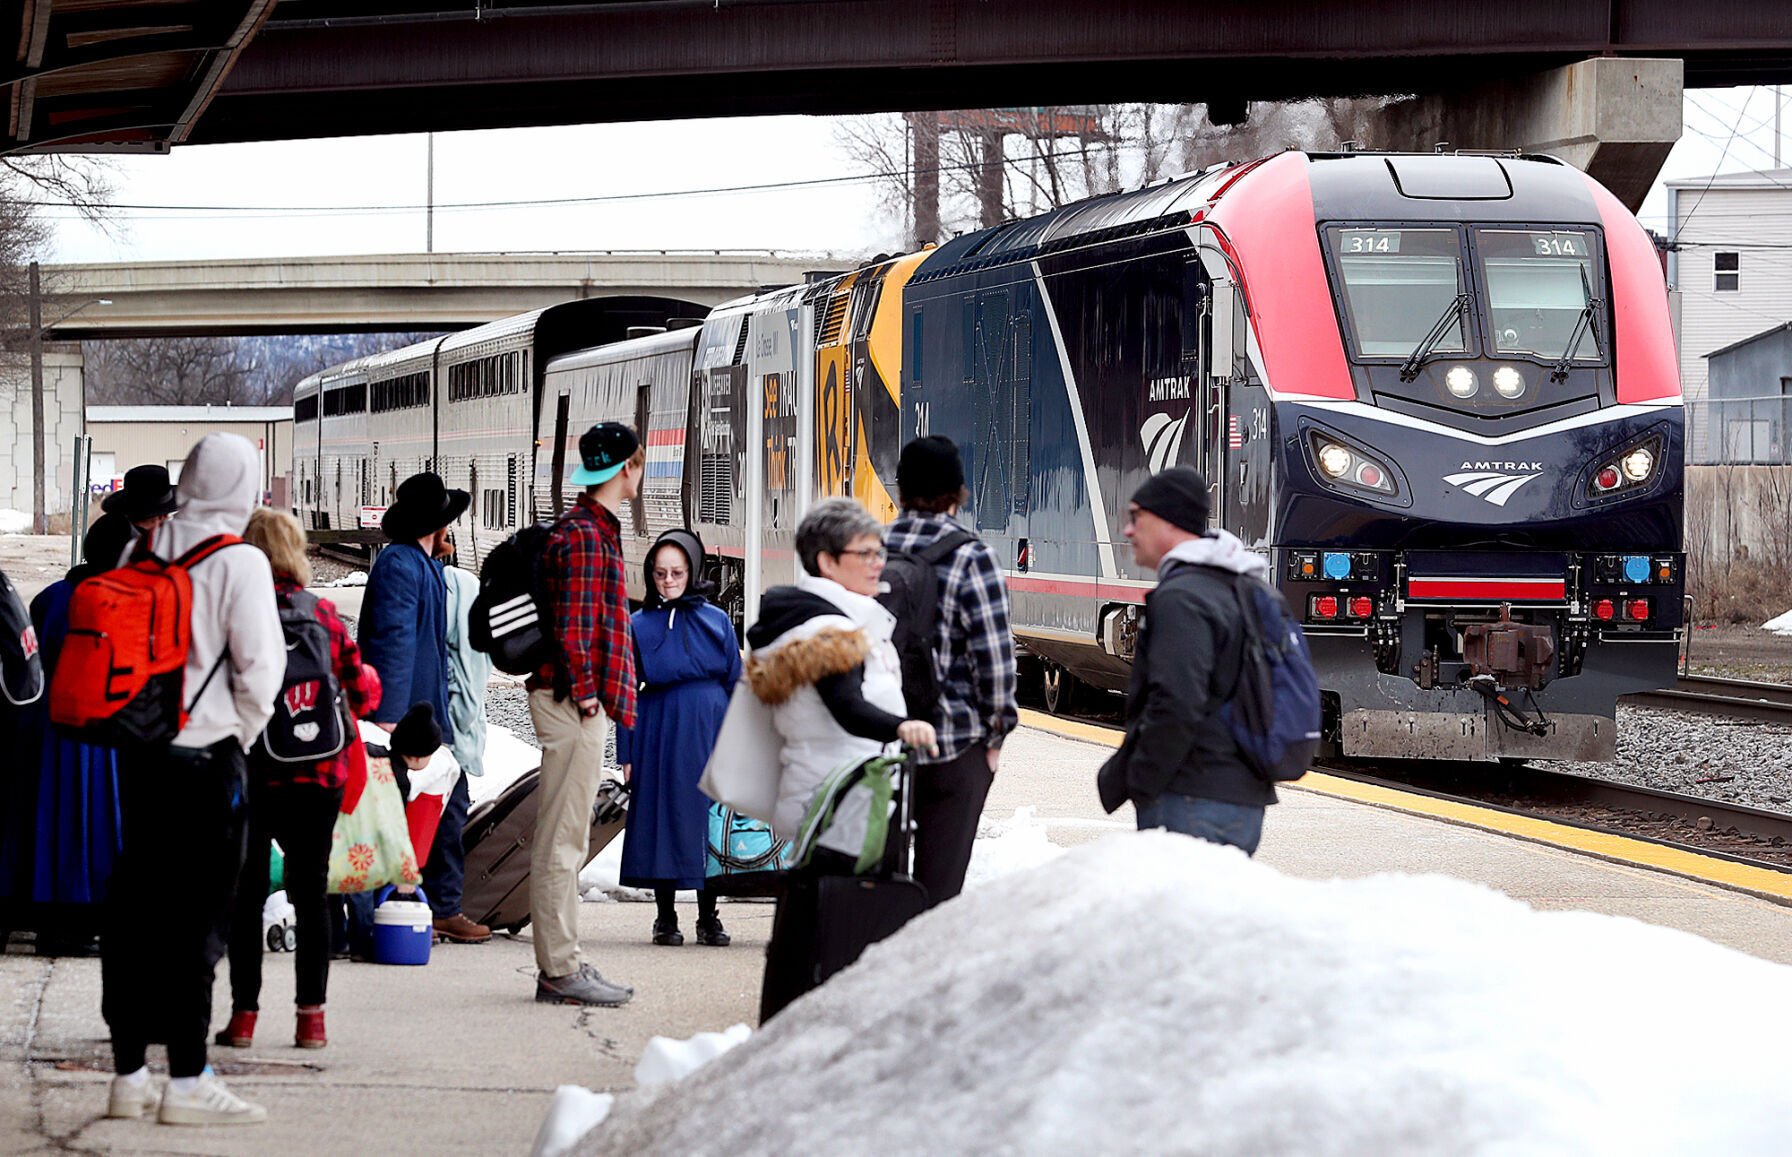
(820,657)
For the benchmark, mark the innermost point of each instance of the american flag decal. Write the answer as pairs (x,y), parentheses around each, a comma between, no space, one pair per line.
(1234,436)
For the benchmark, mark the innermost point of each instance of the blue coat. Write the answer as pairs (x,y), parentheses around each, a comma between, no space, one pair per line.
(403,634)
(688,661)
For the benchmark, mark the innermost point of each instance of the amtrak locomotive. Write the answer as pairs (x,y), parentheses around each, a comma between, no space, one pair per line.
(1439,391)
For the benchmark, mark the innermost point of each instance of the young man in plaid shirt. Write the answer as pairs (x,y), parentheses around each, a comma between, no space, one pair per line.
(973,661)
(574,699)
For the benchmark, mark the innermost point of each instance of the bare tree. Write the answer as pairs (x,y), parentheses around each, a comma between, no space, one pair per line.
(168,371)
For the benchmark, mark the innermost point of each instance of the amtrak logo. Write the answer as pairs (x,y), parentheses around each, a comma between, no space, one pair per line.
(1162,436)
(1489,485)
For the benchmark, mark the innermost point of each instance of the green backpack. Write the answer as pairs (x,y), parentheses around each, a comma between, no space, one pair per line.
(851,813)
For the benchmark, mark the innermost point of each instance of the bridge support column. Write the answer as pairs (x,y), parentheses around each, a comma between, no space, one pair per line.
(1612,117)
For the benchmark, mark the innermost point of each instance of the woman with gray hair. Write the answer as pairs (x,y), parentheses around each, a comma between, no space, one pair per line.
(820,657)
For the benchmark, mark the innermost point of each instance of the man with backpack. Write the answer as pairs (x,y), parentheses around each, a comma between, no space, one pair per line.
(951,606)
(184,796)
(587,683)
(1180,764)
(404,637)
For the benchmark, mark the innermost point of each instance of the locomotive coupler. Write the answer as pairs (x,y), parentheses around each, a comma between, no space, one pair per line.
(1508,653)
(1509,712)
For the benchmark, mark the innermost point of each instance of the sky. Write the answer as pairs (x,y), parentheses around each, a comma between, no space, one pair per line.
(286,198)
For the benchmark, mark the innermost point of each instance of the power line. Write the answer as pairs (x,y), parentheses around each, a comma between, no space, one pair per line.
(1680,225)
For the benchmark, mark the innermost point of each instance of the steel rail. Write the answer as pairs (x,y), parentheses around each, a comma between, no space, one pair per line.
(1735,698)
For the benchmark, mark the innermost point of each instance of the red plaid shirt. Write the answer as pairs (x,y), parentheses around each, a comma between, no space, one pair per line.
(360,689)
(582,574)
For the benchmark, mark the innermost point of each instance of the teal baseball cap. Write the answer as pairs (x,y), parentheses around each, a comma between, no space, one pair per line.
(603,451)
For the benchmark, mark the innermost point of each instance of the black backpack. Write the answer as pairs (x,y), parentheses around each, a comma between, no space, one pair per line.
(509,618)
(21,670)
(912,593)
(307,725)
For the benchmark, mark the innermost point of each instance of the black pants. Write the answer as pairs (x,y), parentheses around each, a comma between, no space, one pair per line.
(948,803)
(301,816)
(446,872)
(184,812)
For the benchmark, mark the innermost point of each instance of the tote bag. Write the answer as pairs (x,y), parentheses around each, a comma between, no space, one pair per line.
(743,771)
(371,845)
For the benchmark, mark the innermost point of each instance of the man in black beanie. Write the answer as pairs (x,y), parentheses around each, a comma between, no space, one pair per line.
(962,678)
(1179,765)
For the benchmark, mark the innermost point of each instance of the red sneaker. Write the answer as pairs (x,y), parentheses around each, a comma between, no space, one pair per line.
(310,1032)
(240,1032)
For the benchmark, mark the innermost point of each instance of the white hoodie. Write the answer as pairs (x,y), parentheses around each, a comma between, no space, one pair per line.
(233,597)
(1217,548)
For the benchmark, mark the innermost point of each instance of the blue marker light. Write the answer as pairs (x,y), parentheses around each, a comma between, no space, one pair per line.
(1636,568)
(1337,565)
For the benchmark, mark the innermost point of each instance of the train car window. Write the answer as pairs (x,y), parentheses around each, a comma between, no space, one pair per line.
(1727,272)
(305,409)
(1397,284)
(914,357)
(1540,283)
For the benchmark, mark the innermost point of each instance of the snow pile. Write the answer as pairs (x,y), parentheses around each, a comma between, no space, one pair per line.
(572,1113)
(666,1060)
(354,578)
(14,522)
(506,760)
(1779,625)
(1152,993)
(1011,845)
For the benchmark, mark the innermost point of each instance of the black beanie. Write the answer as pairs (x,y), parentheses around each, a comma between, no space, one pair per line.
(417,734)
(1178,496)
(929,468)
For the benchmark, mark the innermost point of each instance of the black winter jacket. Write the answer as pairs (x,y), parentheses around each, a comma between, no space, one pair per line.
(1186,665)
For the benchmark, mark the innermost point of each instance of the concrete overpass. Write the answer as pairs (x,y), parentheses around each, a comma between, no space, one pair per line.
(389,293)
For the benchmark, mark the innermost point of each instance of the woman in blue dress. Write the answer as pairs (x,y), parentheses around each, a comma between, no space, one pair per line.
(688,660)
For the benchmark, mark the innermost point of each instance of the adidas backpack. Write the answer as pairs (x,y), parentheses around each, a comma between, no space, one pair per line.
(508,620)
(1273,714)
(21,670)
(911,592)
(119,680)
(307,724)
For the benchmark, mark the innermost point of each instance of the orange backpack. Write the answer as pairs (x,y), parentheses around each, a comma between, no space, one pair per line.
(119,679)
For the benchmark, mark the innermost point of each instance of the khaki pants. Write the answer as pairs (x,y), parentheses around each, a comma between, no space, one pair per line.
(572,756)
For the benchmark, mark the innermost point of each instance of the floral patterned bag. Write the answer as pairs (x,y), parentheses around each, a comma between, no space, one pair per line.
(371,846)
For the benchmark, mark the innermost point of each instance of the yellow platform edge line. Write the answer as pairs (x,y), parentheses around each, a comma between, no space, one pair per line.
(1763,882)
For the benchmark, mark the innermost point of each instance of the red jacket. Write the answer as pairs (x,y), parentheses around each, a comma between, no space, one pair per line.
(360,689)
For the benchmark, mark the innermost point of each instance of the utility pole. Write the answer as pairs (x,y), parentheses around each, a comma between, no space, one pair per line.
(40,524)
(429,197)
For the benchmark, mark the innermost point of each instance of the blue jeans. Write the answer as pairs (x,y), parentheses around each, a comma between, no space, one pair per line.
(446,871)
(1235,825)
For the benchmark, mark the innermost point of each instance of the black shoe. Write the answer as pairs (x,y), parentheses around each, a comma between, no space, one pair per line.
(666,932)
(712,933)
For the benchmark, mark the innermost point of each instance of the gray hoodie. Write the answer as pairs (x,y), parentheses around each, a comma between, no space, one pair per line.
(233,597)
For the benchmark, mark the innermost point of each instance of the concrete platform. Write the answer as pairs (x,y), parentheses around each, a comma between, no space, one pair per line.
(458,1057)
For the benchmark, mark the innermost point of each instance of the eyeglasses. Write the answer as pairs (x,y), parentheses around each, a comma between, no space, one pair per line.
(869,553)
(660,573)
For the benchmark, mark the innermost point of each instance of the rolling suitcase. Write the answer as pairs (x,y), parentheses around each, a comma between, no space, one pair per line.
(498,839)
(825,920)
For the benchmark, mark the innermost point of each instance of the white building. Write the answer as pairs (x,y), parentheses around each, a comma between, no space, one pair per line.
(1731,270)
(65,397)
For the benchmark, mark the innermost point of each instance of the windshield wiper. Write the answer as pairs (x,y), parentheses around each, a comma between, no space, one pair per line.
(1594,305)
(1409,369)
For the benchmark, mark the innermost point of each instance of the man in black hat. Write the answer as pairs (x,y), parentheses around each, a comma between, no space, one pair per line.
(973,661)
(1179,764)
(146,499)
(404,636)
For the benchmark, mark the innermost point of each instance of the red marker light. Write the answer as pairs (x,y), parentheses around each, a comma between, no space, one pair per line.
(1636,610)
(1325,607)
(1369,475)
(1608,478)
(1604,610)
(1362,607)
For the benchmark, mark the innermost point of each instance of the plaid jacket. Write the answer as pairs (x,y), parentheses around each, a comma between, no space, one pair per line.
(360,690)
(973,653)
(582,578)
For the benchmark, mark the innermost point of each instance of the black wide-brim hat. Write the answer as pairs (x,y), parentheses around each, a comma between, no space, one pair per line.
(423,506)
(147,493)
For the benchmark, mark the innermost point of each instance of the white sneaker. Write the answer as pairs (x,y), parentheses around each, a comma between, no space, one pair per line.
(210,1103)
(131,1099)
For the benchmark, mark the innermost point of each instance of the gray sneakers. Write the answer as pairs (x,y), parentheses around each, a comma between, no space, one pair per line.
(582,987)
(130,1099)
(209,1103)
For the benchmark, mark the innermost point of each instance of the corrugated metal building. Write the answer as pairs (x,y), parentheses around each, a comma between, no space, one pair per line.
(127,436)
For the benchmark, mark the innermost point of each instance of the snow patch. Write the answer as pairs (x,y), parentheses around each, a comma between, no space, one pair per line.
(1151,993)
(354,578)
(14,522)
(1779,625)
(506,760)
(572,1113)
(1011,845)
(666,1060)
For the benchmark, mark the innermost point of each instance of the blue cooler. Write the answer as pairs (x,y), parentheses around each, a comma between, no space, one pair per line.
(402,929)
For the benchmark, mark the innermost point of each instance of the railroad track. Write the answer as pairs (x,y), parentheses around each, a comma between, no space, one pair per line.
(1735,698)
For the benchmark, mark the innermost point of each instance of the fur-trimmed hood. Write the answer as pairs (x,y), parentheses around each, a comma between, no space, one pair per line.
(809,631)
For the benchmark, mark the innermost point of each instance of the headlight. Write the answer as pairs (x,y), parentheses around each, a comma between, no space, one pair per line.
(1508,382)
(1334,459)
(1461,381)
(1638,464)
